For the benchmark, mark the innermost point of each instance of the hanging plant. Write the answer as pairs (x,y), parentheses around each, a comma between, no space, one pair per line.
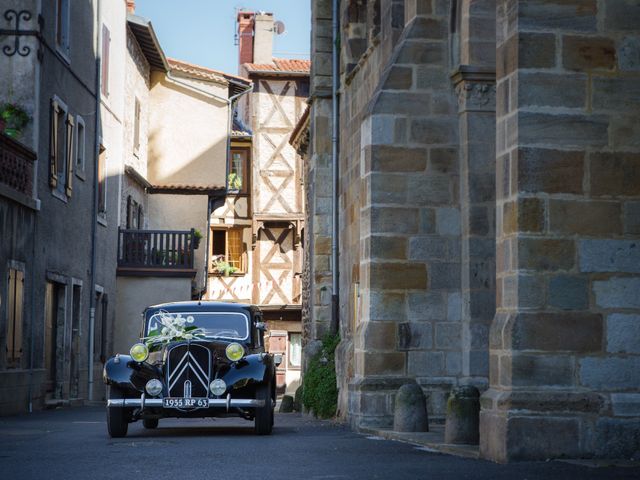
(197,236)
(234,182)
(13,119)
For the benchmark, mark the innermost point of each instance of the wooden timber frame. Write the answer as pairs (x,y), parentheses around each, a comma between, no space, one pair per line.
(277,212)
(265,227)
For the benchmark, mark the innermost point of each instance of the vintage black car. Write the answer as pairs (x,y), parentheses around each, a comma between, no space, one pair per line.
(195,359)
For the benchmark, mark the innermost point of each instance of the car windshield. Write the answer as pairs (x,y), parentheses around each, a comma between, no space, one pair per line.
(230,325)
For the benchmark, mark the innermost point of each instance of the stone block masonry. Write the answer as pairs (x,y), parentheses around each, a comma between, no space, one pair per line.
(490,216)
(566,192)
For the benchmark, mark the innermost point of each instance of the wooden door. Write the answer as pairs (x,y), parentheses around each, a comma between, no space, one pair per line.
(278,346)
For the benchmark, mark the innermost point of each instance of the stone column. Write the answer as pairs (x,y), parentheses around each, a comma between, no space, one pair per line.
(318,177)
(564,356)
(475,86)
(408,326)
(474,81)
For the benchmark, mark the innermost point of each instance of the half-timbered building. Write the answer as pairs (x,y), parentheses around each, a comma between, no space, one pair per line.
(256,230)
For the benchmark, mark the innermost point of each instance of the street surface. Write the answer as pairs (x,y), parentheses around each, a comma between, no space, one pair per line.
(72,443)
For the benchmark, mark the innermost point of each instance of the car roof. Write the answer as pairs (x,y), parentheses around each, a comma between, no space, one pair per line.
(204,306)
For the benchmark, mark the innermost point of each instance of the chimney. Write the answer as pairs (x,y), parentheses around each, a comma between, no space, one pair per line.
(263,38)
(245,37)
(131,6)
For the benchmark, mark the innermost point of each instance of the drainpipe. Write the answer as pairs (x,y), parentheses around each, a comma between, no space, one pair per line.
(94,212)
(229,102)
(33,311)
(335,57)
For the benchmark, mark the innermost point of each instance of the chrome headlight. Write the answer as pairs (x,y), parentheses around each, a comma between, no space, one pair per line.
(218,387)
(153,387)
(139,352)
(234,351)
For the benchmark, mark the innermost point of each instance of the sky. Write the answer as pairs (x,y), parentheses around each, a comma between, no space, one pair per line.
(202,31)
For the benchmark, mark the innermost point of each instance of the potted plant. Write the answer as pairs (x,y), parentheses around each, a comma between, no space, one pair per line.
(234,182)
(223,267)
(13,119)
(197,236)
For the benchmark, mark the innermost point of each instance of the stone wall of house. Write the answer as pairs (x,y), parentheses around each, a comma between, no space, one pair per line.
(317,170)
(564,343)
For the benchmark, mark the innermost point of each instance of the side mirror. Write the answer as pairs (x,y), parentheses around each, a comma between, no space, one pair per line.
(261,326)
(277,359)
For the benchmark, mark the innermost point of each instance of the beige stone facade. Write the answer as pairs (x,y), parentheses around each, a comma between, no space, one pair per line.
(488,215)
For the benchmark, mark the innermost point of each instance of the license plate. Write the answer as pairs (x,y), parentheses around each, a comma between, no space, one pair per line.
(178,402)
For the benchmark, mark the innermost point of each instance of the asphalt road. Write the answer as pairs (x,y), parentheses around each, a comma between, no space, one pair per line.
(73,443)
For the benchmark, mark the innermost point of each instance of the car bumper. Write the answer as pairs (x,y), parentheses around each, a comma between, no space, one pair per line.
(227,403)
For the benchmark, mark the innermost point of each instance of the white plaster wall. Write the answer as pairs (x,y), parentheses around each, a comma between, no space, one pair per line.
(181,212)
(188,134)
(137,293)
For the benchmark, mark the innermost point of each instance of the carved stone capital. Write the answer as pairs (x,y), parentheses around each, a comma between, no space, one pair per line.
(476,89)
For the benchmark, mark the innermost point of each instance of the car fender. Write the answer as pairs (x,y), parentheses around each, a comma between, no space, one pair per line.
(256,368)
(128,375)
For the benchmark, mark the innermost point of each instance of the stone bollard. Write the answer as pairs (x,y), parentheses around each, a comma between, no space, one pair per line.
(286,404)
(410,414)
(463,412)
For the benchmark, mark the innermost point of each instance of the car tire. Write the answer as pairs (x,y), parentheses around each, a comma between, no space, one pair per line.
(117,417)
(150,423)
(264,415)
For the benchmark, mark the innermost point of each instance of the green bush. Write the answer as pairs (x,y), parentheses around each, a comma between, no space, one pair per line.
(319,390)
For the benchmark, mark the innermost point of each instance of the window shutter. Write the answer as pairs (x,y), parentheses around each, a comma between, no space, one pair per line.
(19,304)
(53,154)
(69,159)
(11,290)
(106,41)
(128,212)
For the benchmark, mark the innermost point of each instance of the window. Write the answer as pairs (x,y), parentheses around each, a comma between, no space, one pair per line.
(61,148)
(238,174)
(106,43)
(15,303)
(62,26)
(135,215)
(80,145)
(136,126)
(295,350)
(227,251)
(102,180)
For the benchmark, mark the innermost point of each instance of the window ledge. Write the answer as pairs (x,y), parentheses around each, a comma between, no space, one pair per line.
(237,274)
(81,175)
(60,196)
(101,218)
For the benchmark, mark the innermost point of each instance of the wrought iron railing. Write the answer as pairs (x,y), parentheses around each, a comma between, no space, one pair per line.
(162,249)
(16,165)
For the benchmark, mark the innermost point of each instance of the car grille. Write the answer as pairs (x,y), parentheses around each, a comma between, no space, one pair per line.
(188,370)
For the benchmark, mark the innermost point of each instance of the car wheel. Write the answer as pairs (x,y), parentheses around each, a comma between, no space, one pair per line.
(264,415)
(150,423)
(117,417)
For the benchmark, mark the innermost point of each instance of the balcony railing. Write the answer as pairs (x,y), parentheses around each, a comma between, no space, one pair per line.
(16,165)
(156,249)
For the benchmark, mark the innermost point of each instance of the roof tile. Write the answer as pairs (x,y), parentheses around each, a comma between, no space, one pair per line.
(281,65)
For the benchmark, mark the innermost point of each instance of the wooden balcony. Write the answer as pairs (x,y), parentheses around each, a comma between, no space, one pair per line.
(16,171)
(156,253)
